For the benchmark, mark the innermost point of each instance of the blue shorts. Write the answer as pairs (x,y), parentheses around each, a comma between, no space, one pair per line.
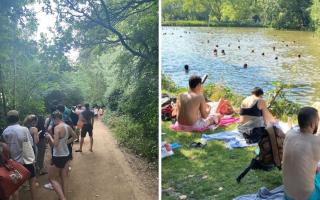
(315,195)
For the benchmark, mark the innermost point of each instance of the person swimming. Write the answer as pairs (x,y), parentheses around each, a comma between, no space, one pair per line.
(252,51)
(215,52)
(217,46)
(245,66)
(238,47)
(186,68)
(274,48)
(299,56)
(262,54)
(223,52)
(276,58)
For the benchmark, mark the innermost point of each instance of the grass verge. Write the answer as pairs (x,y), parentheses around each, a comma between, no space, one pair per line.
(210,173)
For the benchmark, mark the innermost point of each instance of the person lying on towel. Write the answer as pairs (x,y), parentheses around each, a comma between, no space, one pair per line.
(192,110)
(254,116)
(301,155)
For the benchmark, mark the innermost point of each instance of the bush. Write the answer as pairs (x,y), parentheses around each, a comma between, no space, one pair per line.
(168,84)
(130,134)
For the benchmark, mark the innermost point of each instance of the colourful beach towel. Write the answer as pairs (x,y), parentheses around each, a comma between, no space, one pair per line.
(232,139)
(225,121)
(179,128)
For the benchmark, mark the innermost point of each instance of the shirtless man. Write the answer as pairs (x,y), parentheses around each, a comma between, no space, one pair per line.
(192,109)
(301,156)
(87,117)
(60,154)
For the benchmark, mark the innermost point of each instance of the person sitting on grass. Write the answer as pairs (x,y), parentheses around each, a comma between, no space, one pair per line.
(192,108)
(301,156)
(254,116)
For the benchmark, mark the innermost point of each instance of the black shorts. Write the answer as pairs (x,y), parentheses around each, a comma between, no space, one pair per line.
(31,169)
(86,128)
(60,162)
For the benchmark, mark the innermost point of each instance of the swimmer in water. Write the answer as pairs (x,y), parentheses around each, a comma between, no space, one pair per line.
(215,52)
(245,66)
(186,68)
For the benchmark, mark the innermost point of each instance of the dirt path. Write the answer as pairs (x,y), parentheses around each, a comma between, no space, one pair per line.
(102,174)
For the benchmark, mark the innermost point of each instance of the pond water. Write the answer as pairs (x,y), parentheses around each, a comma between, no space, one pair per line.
(194,46)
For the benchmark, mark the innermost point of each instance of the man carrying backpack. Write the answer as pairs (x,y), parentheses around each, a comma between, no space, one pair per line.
(301,157)
(87,117)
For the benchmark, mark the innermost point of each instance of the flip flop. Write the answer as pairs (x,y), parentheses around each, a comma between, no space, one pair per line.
(197,145)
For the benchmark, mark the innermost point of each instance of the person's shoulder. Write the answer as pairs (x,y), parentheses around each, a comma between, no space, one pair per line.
(291,133)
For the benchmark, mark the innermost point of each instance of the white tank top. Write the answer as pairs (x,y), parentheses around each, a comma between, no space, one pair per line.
(62,149)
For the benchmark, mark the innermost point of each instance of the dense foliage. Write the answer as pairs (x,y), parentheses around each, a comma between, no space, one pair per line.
(295,14)
(117,66)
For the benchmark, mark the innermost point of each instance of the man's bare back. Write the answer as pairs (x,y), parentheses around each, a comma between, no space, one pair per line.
(191,107)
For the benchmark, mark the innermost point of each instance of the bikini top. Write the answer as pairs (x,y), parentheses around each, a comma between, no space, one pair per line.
(252,111)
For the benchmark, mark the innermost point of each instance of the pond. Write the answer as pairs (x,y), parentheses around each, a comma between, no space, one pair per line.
(194,46)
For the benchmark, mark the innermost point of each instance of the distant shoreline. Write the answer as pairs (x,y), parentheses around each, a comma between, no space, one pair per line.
(236,24)
(212,24)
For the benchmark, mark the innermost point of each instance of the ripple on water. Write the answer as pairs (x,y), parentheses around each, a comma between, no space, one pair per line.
(179,47)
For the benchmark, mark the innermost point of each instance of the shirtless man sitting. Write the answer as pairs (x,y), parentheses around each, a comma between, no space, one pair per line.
(192,109)
(301,156)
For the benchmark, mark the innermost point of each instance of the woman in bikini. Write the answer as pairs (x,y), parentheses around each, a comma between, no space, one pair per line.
(254,116)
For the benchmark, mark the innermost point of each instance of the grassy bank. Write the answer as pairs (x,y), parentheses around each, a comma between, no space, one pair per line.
(130,134)
(211,24)
(210,173)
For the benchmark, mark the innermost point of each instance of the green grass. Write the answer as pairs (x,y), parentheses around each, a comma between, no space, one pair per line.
(199,173)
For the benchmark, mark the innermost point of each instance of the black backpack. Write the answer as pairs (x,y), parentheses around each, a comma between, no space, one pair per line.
(270,154)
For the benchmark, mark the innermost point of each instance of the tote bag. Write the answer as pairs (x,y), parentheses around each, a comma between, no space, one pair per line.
(27,151)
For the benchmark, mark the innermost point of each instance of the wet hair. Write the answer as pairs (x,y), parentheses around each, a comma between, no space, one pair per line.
(60,107)
(57,115)
(194,81)
(257,91)
(186,67)
(306,116)
(86,105)
(245,65)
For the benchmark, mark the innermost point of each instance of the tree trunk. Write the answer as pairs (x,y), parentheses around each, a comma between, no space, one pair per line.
(3,96)
(14,82)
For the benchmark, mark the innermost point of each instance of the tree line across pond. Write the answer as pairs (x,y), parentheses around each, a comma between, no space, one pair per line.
(281,14)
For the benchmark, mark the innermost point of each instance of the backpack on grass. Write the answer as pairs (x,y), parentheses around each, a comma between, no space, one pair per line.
(270,154)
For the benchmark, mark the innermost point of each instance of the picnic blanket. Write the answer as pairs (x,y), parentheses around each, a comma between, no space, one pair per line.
(264,194)
(234,139)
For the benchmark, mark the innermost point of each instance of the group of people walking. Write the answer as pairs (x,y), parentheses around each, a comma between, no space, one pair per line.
(26,143)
